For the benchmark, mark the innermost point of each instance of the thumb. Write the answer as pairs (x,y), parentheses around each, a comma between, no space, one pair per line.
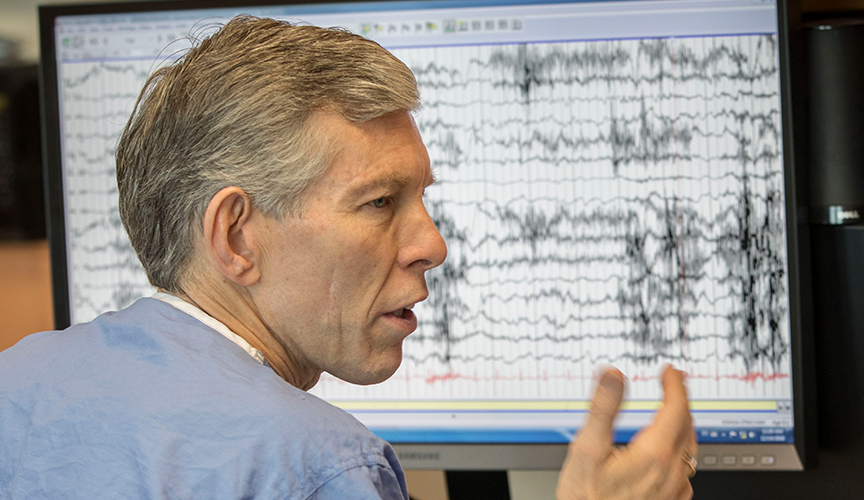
(604,407)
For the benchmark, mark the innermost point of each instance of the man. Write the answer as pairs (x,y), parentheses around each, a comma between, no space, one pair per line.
(271,184)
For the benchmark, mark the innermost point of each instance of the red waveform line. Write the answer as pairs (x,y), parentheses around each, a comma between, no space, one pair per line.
(437,378)
(751,377)
(440,378)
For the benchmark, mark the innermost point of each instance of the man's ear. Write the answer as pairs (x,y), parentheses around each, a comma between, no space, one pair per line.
(230,236)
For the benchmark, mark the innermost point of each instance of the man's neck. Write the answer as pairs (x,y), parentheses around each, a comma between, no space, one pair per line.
(232,306)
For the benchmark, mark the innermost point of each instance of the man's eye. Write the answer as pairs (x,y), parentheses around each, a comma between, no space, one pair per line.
(379,202)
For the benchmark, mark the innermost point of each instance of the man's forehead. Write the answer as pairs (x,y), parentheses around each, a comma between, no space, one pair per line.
(386,152)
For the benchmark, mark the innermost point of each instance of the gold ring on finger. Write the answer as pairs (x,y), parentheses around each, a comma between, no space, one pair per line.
(691,462)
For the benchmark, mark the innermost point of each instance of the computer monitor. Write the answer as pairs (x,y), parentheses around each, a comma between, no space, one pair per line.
(615,181)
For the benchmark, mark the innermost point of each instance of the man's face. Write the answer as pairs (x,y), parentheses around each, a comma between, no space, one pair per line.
(339,281)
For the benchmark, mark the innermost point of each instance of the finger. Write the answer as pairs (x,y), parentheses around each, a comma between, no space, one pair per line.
(692,445)
(674,420)
(674,389)
(663,443)
(604,407)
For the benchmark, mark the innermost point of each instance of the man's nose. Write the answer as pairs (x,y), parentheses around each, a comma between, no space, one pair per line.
(423,248)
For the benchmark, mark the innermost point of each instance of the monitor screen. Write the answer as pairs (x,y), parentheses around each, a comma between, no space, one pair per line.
(614,184)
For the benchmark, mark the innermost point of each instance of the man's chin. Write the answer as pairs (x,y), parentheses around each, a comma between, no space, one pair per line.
(371,376)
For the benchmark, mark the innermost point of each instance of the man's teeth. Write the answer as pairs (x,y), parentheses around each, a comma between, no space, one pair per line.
(401,312)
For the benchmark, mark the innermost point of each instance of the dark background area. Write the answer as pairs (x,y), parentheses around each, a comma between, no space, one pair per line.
(22,206)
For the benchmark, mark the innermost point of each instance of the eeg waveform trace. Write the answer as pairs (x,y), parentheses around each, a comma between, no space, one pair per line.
(604,202)
(609,202)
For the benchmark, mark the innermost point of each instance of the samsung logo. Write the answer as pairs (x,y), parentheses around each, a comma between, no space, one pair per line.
(419,456)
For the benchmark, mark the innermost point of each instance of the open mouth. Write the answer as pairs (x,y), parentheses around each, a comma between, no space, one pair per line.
(399,313)
(404,318)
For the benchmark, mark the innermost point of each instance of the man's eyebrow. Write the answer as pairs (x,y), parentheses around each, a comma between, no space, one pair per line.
(390,183)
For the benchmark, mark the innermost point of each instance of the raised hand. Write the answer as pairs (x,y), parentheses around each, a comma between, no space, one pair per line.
(657,464)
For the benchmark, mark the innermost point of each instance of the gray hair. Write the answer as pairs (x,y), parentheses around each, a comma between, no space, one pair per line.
(234,111)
